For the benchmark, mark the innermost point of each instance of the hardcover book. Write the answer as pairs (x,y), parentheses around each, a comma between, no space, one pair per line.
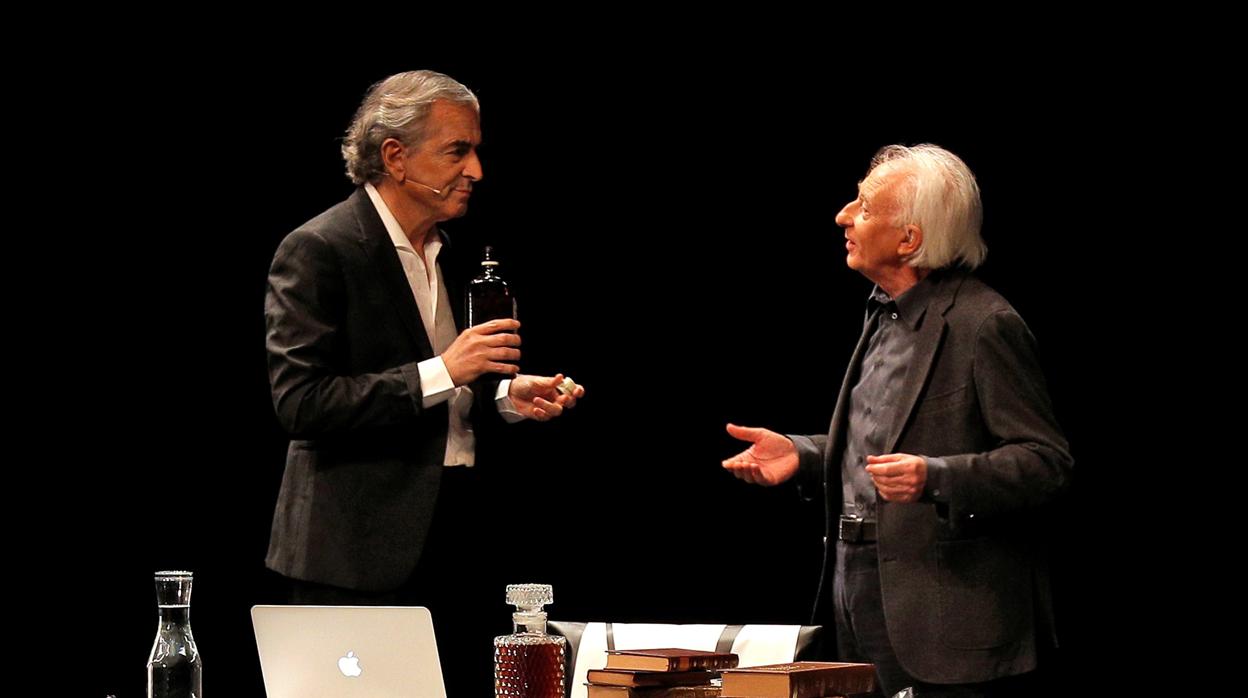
(799,680)
(670,659)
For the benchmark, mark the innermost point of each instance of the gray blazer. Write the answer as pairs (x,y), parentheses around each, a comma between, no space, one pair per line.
(344,337)
(962,581)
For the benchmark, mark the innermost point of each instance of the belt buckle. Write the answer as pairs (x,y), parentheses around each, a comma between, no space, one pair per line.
(850,529)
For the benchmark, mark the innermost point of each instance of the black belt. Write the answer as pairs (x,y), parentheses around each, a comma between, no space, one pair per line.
(855,530)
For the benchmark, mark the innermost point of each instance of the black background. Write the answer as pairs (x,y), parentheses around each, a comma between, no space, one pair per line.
(668,227)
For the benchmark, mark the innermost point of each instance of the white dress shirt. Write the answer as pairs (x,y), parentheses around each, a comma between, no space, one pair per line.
(429,291)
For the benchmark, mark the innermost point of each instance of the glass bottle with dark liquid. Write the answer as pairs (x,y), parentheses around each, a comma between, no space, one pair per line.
(529,663)
(489,297)
(174,669)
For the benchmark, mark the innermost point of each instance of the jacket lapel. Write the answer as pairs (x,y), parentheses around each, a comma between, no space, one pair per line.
(380,250)
(927,343)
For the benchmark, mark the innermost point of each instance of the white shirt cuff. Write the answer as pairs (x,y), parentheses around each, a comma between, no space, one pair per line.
(505,406)
(435,382)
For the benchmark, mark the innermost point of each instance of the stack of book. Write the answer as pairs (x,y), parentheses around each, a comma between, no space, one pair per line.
(659,673)
(799,680)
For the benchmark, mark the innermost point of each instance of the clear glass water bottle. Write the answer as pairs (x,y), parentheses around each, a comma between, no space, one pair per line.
(174,669)
(529,663)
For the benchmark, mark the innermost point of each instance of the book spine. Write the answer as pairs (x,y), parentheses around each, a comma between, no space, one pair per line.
(838,683)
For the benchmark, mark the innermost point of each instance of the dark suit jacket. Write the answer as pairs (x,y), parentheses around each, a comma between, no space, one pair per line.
(344,339)
(962,581)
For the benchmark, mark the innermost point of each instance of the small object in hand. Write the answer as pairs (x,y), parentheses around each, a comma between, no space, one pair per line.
(566,386)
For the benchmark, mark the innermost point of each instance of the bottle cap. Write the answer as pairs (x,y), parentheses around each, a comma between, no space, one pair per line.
(529,596)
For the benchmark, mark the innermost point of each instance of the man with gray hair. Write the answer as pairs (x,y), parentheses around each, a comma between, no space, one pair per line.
(942,451)
(373,373)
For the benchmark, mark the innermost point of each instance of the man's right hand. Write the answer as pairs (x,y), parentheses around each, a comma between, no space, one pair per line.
(481,349)
(771,459)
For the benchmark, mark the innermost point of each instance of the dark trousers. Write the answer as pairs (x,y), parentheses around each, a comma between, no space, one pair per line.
(861,635)
(453,580)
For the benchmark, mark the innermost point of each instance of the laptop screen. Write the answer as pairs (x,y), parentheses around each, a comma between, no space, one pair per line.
(347,651)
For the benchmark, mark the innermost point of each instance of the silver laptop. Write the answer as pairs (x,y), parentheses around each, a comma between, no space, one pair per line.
(347,651)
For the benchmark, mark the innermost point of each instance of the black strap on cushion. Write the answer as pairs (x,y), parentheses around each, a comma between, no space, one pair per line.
(727,637)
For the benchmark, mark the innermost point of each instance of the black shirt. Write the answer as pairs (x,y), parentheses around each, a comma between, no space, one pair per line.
(891,325)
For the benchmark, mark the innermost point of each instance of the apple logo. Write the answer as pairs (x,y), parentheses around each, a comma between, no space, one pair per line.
(350,665)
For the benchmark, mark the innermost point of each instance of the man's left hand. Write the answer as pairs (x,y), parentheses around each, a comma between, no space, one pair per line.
(539,398)
(899,477)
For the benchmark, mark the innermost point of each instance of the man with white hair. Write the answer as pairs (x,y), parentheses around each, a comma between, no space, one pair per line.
(942,451)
